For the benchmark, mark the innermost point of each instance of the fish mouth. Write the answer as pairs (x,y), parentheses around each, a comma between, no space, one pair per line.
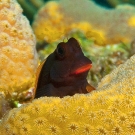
(82,69)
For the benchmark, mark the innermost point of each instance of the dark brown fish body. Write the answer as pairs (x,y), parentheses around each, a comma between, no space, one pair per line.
(64,72)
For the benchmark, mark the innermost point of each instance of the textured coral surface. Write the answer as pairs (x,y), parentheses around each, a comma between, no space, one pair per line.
(18,56)
(108,111)
(56,19)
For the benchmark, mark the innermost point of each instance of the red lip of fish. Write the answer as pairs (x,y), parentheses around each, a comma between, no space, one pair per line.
(81,69)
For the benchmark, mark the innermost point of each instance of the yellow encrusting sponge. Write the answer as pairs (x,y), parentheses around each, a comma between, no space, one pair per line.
(110,110)
(18,56)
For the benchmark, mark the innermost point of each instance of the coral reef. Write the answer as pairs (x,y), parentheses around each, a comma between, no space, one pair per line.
(56,19)
(55,22)
(119,77)
(107,111)
(18,56)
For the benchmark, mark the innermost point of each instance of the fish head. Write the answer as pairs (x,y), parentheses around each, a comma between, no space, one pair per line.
(70,64)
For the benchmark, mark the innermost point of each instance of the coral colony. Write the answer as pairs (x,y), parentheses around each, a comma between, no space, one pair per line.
(18,56)
(108,110)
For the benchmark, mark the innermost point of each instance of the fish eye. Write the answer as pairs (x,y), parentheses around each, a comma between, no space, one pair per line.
(60,51)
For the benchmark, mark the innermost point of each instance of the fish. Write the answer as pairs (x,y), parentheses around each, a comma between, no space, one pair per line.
(64,72)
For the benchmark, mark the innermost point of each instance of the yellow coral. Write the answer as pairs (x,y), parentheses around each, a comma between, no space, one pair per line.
(56,19)
(97,36)
(131,21)
(51,25)
(49,32)
(107,111)
(83,26)
(18,56)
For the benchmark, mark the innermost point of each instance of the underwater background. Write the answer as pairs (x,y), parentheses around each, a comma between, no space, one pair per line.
(31,30)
